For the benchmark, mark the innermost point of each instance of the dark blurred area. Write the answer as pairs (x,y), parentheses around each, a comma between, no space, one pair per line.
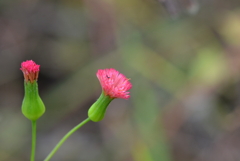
(183,58)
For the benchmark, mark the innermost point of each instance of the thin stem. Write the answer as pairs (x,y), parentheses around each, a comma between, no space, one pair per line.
(50,155)
(34,131)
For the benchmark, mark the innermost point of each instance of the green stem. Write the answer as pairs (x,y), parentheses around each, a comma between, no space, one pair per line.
(50,155)
(34,131)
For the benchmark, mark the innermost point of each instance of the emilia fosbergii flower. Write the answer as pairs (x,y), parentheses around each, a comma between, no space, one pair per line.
(114,85)
(32,105)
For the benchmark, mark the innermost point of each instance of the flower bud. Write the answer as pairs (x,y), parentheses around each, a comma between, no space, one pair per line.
(32,105)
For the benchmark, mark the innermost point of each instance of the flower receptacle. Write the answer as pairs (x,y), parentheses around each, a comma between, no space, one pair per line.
(97,111)
(32,105)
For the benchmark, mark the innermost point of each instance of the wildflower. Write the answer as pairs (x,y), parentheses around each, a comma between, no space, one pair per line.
(114,85)
(32,106)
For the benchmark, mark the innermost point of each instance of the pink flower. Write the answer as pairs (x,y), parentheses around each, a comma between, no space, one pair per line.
(30,70)
(114,84)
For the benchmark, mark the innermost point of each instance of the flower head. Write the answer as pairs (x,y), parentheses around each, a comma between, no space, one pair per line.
(30,70)
(32,106)
(114,84)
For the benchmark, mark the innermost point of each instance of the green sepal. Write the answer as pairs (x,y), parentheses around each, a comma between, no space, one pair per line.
(32,105)
(97,111)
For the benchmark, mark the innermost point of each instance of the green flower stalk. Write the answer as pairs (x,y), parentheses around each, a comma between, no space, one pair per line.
(32,105)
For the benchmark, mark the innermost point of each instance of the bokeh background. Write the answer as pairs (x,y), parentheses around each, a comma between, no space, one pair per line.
(183,58)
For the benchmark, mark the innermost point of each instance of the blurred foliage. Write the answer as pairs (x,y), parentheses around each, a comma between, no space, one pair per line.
(183,60)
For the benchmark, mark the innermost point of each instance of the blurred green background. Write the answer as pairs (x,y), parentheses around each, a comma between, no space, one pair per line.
(183,58)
